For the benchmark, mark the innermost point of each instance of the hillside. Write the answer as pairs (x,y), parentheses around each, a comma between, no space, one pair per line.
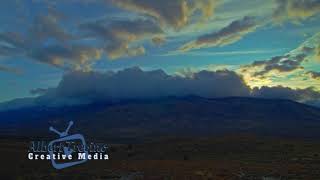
(189,116)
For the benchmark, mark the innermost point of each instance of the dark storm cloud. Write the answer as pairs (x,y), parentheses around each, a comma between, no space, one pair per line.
(227,35)
(176,14)
(280,92)
(133,83)
(296,9)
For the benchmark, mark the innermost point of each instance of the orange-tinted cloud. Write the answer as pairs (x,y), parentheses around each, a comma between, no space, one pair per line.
(295,9)
(227,35)
(70,57)
(119,36)
(314,75)
(173,13)
(279,64)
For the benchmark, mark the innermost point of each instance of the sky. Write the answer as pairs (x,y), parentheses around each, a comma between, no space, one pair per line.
(53,48)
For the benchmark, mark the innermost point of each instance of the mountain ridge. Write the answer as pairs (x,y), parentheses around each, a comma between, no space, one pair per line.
(189,116)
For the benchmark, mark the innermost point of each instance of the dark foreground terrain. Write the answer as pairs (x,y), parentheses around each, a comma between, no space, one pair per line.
(172,139)
(187,116)
(228,157)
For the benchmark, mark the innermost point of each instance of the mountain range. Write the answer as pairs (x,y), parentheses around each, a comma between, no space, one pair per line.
(171,116)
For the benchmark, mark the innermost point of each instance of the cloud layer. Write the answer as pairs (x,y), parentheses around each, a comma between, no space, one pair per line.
(134,83)
(176,14)
(227,35)
(119,36)
(296,9)
(54,39)
(278,64)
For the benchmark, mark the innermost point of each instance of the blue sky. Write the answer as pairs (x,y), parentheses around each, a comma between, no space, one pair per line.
(42,40)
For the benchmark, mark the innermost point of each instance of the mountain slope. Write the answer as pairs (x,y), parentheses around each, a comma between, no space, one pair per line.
(190,116)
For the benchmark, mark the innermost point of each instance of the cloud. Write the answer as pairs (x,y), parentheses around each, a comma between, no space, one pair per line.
(295,9)
(176,14)
(47,42)
(280,64)
(48,27)
(120,37)
(57,39)
(317,54)
(280,92)
(12,44)
(158,40)
(13,39)
(314,75)
(39,91)
(72,57)
(10,70)
(222,53)
(80,87)
(133,83)
(8,51)
(289,70)
(227,35)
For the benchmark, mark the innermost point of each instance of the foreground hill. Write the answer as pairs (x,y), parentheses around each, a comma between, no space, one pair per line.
(189,116)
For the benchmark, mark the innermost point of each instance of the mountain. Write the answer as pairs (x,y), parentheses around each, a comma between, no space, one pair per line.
(188,116)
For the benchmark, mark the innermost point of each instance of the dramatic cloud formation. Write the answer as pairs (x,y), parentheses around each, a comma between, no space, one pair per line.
(280,64)
(176,14)
(72,57)
(119,36)
(74,35)
(290,70)
(230,34)
(296,9)
(88,87)
(54,40)
(134,83)
(47,42)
